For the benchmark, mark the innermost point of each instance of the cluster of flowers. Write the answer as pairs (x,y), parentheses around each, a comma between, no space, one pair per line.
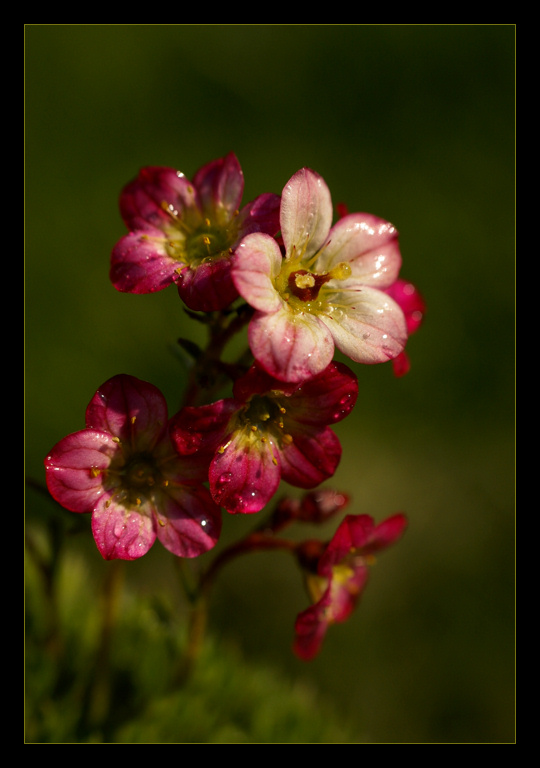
(306,288)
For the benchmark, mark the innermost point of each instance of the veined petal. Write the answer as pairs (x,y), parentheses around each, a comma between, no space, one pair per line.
(220,185)
(256,264)
(154,195)
(261,215)
(130,409)
(367,326)
(312,457)
(122,533)
(208,287)
(245,475)
(76,466)
(140,263)
(306,213)
(326,398)
(368,244)
(189,522)
(290,347)
(200,429)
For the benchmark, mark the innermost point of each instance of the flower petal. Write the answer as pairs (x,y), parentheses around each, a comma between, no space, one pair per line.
(368,244)
(75,467)
(326,398)
(140,264)
(156,193)
(261,215)
(256,264)
(208,287)
(367,326)
(290,347)
(130,409)
(311,627)
(245,476)
(189,522)
(311,458)
(200,429)
(306,213)
(220,185)
(122,533)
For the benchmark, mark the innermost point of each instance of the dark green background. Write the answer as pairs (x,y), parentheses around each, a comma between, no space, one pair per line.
(414,123)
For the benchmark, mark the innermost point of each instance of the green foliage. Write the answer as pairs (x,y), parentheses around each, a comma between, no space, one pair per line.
(93,680)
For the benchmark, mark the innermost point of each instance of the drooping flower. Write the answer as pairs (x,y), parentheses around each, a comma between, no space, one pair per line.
(269,430)
(337,574)
(123,469)
(328,289)
(185,232)
(413,305)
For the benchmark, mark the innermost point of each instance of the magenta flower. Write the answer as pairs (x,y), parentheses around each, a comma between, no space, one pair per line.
(123,469)
(337,575)
(328,289)
(268,431)
(413,305)
(185,232)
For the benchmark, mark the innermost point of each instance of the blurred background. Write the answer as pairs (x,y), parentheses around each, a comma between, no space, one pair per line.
(414,123)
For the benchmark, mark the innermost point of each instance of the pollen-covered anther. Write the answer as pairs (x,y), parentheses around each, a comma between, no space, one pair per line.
(341,272)
(95,471)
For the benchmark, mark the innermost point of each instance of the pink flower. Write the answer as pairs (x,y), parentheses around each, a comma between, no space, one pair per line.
(185,232)
(268,431)
(123,469)
(327,291)
(337,574)
(413,305)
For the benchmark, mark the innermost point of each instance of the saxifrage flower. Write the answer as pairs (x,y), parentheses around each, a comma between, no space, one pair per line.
(123,469)
(185,232)
(336,575)
(327,290)
(269,430)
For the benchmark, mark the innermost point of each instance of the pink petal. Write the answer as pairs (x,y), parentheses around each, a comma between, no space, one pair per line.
(220,185)
(257,263)
(312,457)
(130,409)
(121,533)
(306,213)
(140,264)
(290,347)
(326,398)
(411,302)
(261,215)
(311,627)
(368,244)
(209,287)
(144,201)
(75,469)
(189,522)
(245,476)
(200,429)
(368,326)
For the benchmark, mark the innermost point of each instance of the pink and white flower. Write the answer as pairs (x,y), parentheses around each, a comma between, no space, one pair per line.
(268,431)
(123,469)
(185,232)
(337,574)
(327,291)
